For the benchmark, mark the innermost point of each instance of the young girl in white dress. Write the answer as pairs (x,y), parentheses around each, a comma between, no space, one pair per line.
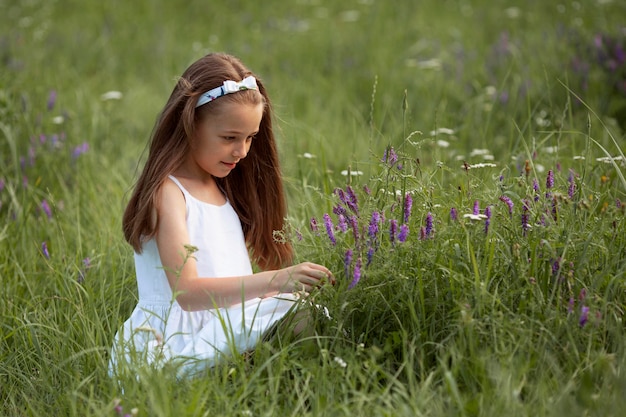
(210,198)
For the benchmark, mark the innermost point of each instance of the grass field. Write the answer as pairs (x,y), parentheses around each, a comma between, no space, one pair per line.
(459,165)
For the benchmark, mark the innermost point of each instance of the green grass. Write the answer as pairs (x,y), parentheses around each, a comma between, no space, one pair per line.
(461,321)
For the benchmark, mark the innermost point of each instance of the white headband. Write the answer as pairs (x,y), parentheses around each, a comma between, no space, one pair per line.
(248,83)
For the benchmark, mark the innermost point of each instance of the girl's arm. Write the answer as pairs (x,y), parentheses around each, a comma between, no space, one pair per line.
(200,293)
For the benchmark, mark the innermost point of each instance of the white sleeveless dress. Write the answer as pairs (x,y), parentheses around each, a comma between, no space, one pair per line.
(160,331)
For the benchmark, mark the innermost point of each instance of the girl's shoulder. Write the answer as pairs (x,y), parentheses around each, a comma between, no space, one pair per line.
(170,197)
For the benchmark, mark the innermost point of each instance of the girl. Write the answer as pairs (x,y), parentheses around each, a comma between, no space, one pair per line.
(209,196)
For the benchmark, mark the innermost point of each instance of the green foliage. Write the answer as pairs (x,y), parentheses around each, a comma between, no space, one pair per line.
(507,111)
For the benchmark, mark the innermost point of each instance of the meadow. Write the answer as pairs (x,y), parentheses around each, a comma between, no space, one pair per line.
(459,165)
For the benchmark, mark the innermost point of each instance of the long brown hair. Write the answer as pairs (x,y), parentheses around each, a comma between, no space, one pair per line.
(254,188)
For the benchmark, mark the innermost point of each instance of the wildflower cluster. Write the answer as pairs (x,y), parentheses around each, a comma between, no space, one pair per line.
(50,145)
(360,231)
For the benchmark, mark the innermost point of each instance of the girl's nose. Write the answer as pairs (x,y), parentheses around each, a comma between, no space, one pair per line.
(241,150)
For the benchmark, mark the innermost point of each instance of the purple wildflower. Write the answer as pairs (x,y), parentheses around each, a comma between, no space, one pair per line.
(46,208)
(328,222)
(351,200)
(506,200)
(52,99)
(341,195)
(373,227)
(80,149)
(525,225)
(549,183)
(476,211)
(354,224)
(342,225)
(404,233)
(370,255)
(390,157)
(313,225)
(393,230)
(44,250)
(347,262)
(356,274)
(488,219)
(453,214)
(339,210)
(571,189)
(618,203)
(584,315)
(556,266)
(367,190)
(429,224)
(408,204)
(570,305)
(2,184)
(582,295)
(83,271)
(536,188)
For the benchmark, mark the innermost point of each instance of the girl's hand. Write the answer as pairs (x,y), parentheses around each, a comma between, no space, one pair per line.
(306,277)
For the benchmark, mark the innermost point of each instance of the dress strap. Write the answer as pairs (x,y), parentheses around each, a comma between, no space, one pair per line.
(177,182)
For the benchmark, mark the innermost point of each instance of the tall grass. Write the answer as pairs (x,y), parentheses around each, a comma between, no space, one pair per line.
(513,112)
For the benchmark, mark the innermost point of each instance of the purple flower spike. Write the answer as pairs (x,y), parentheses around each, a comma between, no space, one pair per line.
(571,189)
(328,222)
(488,220)
(44,250)
(536,188)
(313,225)
(476,211)
(408,204)
(357,274)
(390,157)
(549,183)
(342,225)
(46,208)
(570,305)
(370,255)
(354,224)
(429,224)
(525,225)
(393,230)
(80,149)
(341,195)
(351,200)
(584,315)
(404,233)
(52,99)
(506,200)
(347,262)
(453,214)
(373,227)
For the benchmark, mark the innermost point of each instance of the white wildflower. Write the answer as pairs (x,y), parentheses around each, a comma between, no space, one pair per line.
(442,131)
(474,216)
(111,95)
(58,120)
(340,362)
(308,155)
(480,165)
(443,143)
(352,173)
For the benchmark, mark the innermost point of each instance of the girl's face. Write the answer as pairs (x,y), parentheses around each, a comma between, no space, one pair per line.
(223,139)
